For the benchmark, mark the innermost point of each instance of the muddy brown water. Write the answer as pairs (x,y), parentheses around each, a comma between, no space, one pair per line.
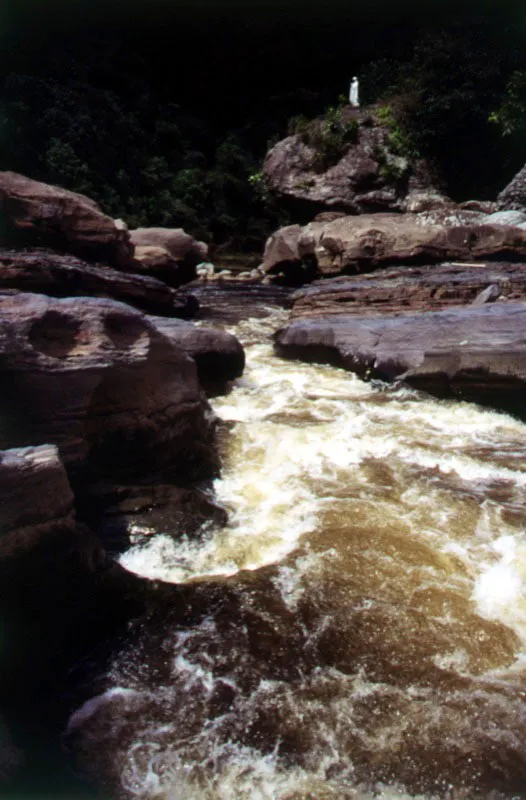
(358,630)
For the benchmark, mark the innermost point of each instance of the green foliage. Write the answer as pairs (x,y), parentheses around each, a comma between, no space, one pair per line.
(329,136)
(400,142)
(510,116)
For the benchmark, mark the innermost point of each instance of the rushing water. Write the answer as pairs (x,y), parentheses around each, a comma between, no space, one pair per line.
(358,630)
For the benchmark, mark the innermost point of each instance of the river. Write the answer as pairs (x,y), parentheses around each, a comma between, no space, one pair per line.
(358,630)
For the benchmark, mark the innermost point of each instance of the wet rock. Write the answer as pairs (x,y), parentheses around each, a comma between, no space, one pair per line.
(403,289)
(476,354)
(353,244)
(219,356)
(97,379)
(39,214)
(368,175)
(59,275)
(167,253)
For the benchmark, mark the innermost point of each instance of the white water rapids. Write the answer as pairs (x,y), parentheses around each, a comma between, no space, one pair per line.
(358,630)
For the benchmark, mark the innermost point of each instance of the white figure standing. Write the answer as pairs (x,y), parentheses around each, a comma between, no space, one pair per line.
(353,93)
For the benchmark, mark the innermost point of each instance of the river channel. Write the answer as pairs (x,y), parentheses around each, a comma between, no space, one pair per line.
(357,630)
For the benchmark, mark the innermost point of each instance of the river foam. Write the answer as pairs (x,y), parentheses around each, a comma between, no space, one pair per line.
(357,630)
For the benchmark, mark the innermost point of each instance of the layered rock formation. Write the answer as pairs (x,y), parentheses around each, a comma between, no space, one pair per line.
(401,289)
(35,213)
(346,244)
(476,353)
(58,275)
(368,175)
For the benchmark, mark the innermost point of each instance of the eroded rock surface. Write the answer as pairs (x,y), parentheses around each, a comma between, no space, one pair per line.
(475,353)
(352,244)
(39,214)
(97,379)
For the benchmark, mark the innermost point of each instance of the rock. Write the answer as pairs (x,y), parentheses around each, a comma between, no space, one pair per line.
(94,377)
(219,356)
(482,206)
(403,289)
(59,275)
(476,354)
(513,196)
(39,214)
(514,218)
(363,243)
(36,499)
(231,302)
(368,176)
(60,595)
(487,295)
(168,253)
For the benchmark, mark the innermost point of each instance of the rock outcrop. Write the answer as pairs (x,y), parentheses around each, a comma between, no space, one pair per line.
(476,353)
(368,175)
(359,244)
(167,253)
(36,499)
(218,355)
(59,275)
(410,289)
(513,196)
(97,379)
(36,214)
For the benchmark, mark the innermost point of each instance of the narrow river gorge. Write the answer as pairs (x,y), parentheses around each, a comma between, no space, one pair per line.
(358,630)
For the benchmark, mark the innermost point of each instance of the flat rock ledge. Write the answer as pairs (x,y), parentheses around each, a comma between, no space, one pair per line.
(411,289)
(475,353)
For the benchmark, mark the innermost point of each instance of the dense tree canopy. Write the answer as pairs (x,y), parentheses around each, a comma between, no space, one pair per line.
(168,124)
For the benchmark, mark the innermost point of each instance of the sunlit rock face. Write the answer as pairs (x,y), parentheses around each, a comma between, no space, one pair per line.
(167,253)
(37,213)
(350,244)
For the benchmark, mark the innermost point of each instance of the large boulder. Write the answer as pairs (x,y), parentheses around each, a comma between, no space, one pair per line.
(362,243)
(475,353)
(513,196)
(59,275)
(219,356)
(402,289)
(36,213)
(167,253)
(367,175)
(94,377)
